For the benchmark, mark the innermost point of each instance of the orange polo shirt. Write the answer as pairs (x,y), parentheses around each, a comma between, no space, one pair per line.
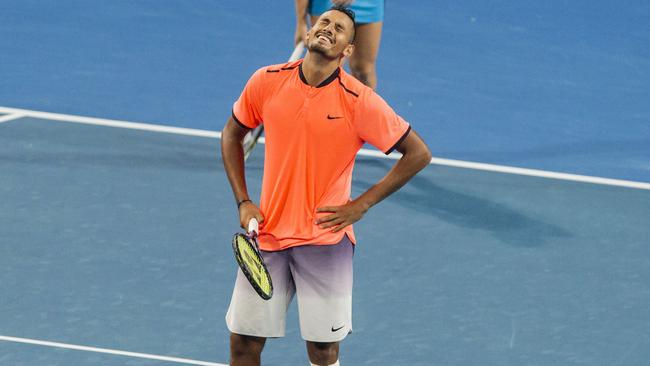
(312,137)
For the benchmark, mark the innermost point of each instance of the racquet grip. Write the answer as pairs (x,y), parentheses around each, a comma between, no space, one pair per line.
(253,226)
(297,52)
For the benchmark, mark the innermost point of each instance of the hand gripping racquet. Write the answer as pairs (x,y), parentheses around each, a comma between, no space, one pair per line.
(251,262)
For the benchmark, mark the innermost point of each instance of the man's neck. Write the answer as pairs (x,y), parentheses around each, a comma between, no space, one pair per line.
(317,68)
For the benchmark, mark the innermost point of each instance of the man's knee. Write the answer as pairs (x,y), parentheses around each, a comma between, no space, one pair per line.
(245,346)
(323,353)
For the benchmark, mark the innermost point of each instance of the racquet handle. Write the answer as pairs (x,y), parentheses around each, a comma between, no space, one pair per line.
(253,226)
(297,52)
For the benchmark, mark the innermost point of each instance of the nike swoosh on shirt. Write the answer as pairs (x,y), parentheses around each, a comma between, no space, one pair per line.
(333,117)
(337,329)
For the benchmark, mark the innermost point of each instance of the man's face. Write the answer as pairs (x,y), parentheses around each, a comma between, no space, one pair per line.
(331,35)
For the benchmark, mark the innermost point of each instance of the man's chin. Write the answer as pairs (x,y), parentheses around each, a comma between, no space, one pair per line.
(319,49)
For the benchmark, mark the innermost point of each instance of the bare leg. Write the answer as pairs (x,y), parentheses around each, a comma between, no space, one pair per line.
(323,354)
(245,350)
(363,59)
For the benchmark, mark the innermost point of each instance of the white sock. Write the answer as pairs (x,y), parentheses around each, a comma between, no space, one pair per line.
(334,364)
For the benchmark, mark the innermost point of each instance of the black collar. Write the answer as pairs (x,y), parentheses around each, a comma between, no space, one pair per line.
(331,78)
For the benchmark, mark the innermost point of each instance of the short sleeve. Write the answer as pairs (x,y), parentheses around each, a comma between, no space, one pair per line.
(247,110)
(377,123)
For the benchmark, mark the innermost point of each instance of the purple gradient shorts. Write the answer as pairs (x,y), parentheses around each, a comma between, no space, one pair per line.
(321,278)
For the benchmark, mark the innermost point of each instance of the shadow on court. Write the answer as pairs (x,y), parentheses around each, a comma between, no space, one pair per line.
(464,210)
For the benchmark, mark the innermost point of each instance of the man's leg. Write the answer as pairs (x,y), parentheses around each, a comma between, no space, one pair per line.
(245,350)
(249,314)
(323,354)
(323,278)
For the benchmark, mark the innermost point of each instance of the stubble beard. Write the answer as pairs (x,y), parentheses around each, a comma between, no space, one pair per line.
(316,48)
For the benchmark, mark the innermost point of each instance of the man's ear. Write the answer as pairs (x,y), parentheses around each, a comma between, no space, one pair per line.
(349,49)
(307,36)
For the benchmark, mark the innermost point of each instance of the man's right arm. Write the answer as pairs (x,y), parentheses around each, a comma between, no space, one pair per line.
(232,154)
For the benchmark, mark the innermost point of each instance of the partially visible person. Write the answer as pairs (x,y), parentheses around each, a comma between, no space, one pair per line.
(369,18)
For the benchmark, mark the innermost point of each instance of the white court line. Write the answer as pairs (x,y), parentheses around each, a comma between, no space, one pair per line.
(522,171)
(362,152)
(541,173)
(112,123)
(11,117)
(108,351)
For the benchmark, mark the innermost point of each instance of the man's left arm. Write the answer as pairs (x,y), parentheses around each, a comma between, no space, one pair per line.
(415,157)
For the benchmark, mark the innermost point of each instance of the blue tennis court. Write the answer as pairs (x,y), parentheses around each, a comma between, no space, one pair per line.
(118,238)
(115,235)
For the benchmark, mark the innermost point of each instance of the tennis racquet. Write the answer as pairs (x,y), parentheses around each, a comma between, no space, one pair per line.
(251,138)
(251,262)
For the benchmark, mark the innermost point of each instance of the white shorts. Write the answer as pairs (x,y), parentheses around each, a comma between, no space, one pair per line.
(320,275)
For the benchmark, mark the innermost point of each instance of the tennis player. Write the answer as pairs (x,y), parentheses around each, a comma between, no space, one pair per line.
(316,118)
(369,20)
